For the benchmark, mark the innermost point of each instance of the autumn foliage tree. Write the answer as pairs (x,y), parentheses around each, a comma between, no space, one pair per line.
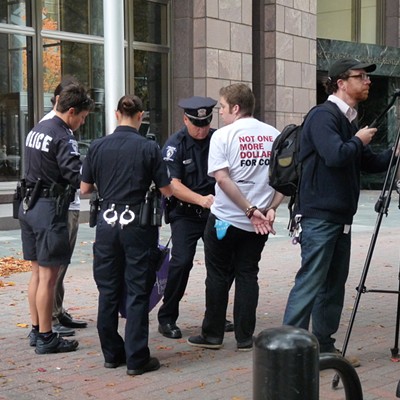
(51,56)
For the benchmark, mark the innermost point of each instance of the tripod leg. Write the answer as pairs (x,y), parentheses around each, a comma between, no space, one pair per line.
(360,290)
(395,349)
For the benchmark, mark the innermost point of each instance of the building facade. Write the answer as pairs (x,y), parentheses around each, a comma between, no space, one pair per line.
(180,48)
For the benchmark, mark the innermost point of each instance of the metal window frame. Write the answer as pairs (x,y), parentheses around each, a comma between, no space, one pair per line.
(356,21)
(132,45)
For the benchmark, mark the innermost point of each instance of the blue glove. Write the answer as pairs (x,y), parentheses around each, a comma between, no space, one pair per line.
(221,227)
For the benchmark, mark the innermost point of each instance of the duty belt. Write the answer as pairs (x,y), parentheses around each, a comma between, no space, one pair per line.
(45,192)
(190,209)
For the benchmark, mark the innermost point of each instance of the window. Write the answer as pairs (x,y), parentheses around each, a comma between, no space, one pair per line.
(352,21)
(70,37)
(77,16)
(13,12)
(149,39)
(151,85)
(150,22)
(15,113)
(84,62)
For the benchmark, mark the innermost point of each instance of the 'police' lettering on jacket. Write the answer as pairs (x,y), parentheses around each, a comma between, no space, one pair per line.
(38,140)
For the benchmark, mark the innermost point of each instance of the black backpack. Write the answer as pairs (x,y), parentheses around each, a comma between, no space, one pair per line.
(285,165)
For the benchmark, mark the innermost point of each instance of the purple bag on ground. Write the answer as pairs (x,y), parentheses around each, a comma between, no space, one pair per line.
(161,277)
(159,286)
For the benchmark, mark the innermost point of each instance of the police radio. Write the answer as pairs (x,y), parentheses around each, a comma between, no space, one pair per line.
(144,217)
(156,212)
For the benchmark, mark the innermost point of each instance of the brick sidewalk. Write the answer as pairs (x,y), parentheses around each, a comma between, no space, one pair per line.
(187,372)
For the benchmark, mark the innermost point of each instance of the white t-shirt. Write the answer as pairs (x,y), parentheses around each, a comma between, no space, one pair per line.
(76,203)
(244,147)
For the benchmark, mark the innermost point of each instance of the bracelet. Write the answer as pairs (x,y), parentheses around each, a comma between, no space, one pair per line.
(250,211)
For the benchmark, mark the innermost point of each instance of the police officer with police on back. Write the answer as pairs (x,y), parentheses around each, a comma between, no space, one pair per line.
(52,168)
(122,166)
(63,322)
(186,154)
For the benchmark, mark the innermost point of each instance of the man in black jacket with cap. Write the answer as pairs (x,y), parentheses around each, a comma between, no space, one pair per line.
(186,154)
(333,151)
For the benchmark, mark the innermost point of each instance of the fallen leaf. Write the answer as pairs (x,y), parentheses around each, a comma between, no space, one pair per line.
(20,325)
(163,347)
(12,265)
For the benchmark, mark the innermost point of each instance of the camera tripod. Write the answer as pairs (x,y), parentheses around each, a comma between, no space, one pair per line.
(381,207)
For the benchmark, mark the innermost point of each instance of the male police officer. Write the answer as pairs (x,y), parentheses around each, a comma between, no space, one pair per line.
(52,166)
(62,320)
(186,154)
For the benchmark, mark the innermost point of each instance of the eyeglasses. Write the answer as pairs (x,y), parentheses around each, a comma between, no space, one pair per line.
(363,76)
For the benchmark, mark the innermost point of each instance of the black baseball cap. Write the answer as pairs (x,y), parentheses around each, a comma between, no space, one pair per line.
(341,66)
(198,109)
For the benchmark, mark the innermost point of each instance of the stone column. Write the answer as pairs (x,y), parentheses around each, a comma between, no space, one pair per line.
(221,34)
(290,60)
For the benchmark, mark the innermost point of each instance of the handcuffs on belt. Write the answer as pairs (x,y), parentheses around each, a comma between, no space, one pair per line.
(126,217)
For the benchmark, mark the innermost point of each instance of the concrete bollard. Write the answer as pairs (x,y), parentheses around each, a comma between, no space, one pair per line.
(286,365)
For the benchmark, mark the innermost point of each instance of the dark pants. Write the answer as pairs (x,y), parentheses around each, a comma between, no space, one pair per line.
(185,232)
(124,257)
(237,254)
(73,225)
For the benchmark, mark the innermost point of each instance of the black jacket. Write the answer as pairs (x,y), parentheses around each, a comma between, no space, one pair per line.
(332,160)
(52,154)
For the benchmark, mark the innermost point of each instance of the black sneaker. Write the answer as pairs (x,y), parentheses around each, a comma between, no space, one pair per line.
(121,360)
(247,345)
(200,341)
(152,365)
(55,345)
(229,327)
(33,335)
(244,346)
(62,330)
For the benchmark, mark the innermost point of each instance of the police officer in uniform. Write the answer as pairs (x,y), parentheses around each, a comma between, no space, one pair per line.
(123,166)
(52,167)
(186,154)
(63,322)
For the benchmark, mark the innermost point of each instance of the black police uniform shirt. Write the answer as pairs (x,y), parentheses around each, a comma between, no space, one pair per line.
(123,165)
(187,160)
(52,154)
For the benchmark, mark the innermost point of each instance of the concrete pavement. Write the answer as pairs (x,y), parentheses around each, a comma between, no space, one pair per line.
(190,373)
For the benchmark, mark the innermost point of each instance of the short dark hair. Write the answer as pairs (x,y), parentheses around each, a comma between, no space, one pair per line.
(65,81)
(74,96)
(331,85)
(240,94)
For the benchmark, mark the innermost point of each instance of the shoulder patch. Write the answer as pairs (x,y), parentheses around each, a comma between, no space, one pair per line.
(169,153)
(74,147)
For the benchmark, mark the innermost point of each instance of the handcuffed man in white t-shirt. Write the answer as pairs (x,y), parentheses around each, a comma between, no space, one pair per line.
(241,217)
